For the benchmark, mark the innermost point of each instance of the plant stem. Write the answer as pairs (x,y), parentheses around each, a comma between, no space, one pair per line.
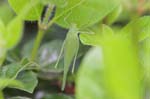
(37,43)
(48,15)
(1,95)
(42,27)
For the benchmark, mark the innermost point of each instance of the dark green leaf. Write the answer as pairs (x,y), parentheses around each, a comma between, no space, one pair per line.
(11,71)
(12,76)
(48,53)
(29,81)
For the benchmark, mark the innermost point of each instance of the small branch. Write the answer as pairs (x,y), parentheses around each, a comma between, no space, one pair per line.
(48,16)
(43,26)
(37,43)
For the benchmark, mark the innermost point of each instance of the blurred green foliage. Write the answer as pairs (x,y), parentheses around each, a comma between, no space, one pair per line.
(113,65)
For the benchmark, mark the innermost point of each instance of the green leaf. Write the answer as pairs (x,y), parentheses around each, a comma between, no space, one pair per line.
(12,76)
(6,17)
(122,69)
(27,48)
(19,97)
(91,71)
(139,27)
(14,33)
(11,71)
(48,54)
(5,82)
(1,95)
(2,28)
(57,96)
(92,39)
(29,81)
(107,31)
(84,13)
(10,36)
(100,32)
(111,17)
(33,14)
(3,48)
(145,58)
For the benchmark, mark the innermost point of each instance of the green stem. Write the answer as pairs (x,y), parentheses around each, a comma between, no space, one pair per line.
(48,14)
(42,27)
(37,43)
(1,95)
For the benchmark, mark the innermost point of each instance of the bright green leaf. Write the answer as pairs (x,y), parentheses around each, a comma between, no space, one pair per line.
(5,82)
(145,58)
(84,13)
(2,28)
(14,33)
(107,31)
(92,39)
(139,27)
(33,14)
(100,32)
(111,17)
(6,17)
(122,69)
(3,48)
(1,95)
(89,82)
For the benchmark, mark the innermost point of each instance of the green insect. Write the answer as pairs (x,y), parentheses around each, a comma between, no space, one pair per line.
(70,48)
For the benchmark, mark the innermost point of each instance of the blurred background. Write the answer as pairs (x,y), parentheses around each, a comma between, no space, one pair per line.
(49,86)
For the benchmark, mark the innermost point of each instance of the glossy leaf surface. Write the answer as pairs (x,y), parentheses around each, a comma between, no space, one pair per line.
(90,76)
(33,14)
(84,13)
(122,68)
(12,76)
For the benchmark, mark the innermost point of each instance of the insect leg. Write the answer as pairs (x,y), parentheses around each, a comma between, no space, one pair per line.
(75,58)
(61,51)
